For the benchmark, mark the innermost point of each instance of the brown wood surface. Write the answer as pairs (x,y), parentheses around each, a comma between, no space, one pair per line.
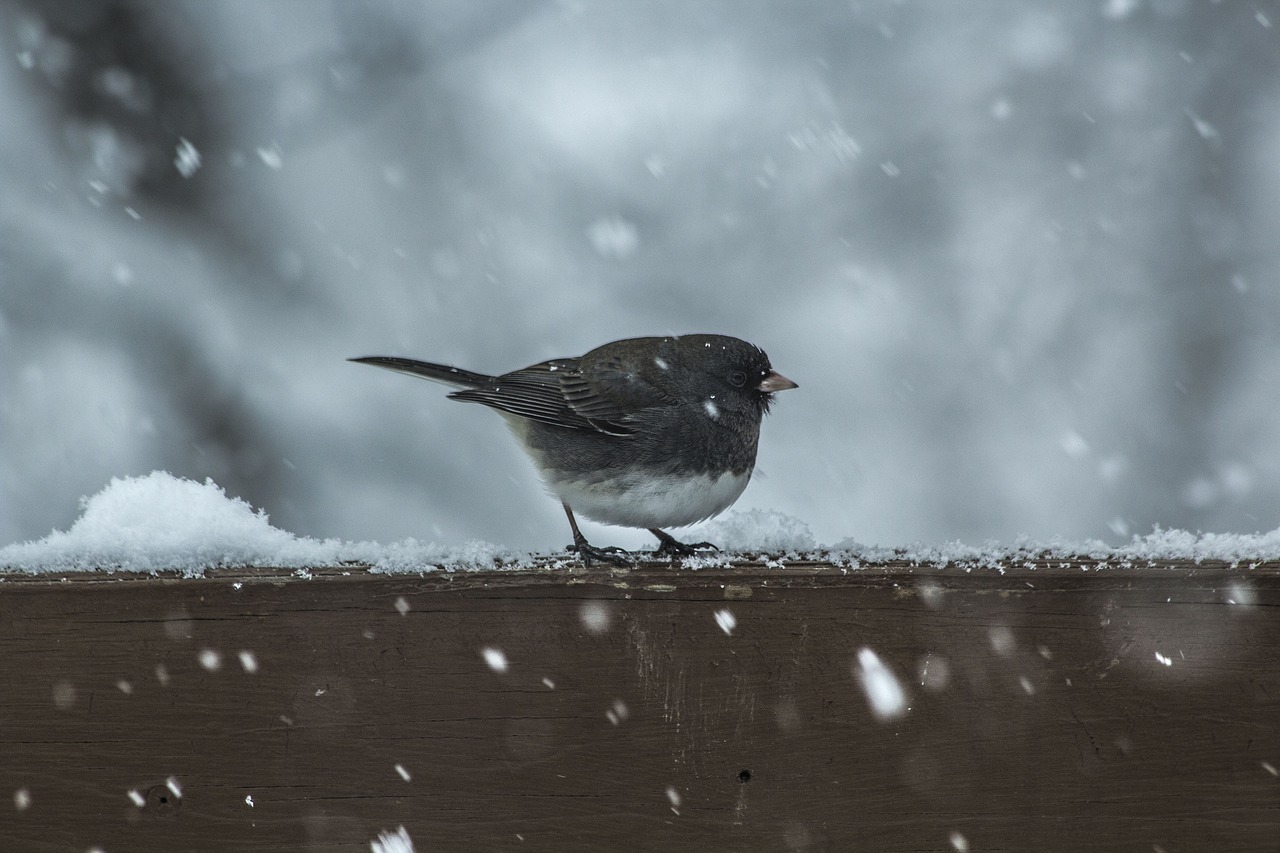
(1042,715)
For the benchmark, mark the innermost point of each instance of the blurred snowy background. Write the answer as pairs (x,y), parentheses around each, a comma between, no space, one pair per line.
(1023,257)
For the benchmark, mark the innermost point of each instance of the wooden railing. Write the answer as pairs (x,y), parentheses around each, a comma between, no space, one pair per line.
(1049,705)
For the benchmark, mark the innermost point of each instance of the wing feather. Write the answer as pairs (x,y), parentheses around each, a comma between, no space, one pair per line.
(539,393)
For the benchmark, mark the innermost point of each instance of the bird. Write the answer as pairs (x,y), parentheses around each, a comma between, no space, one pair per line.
(650,432)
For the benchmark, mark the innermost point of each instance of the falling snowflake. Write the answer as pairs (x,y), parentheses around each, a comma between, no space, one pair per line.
(187,158)
(496,660)
(884,692)
(392,842)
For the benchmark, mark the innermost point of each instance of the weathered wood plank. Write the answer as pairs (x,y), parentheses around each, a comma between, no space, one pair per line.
(1042,714)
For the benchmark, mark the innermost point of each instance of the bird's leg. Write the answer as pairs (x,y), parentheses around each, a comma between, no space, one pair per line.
(589,552)
(671,547)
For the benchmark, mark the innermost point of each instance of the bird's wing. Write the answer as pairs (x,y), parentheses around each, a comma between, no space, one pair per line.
(563,392)
(612,388)
(537,393)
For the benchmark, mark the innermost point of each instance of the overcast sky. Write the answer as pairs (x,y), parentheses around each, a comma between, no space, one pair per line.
(1021,256)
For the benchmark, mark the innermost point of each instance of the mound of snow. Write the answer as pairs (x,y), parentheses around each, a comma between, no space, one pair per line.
(758,531)
(162,522)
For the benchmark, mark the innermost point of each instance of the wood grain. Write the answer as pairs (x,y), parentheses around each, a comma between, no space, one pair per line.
(1049,706)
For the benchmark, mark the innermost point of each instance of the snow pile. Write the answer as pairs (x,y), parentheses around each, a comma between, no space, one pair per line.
(758,531)
(1181,545)
(161,522)
(164,523)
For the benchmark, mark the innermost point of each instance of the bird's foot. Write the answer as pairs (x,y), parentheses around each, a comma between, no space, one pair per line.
(669,546)
(611,554)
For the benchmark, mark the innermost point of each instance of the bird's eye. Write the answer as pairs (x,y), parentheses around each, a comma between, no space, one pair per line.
(737,379)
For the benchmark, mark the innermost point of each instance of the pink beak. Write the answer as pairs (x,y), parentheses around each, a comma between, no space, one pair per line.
(775,381)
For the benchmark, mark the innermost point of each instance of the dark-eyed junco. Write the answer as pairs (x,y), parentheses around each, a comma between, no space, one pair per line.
(643,432)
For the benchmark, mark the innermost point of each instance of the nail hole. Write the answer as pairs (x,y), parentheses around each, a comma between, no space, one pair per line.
(161,802)
(744,777)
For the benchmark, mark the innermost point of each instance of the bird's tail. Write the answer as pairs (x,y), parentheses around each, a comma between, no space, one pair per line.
(426,370)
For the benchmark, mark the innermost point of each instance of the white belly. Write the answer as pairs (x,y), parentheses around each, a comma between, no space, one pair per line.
(635,501)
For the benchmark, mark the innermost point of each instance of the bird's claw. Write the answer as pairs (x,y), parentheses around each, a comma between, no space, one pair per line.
(671,547)
(682,549)
(611,554)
